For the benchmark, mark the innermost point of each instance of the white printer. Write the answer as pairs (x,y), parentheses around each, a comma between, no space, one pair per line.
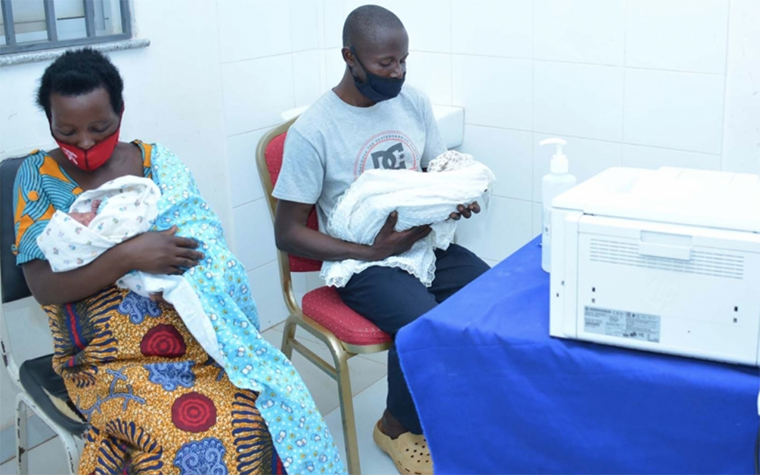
(661,260)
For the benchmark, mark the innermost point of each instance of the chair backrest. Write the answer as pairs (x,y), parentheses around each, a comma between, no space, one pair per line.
(13,285)
(12,278)
(269,161)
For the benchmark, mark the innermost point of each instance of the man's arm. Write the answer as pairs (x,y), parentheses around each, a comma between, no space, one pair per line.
(293,236)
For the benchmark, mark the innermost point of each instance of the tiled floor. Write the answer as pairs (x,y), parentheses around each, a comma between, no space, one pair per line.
(368,385)
(46,459)
(365,370)
(368,406)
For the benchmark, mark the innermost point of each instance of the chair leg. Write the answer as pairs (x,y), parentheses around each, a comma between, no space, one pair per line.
(287,335)
(72,445)
(22,442)
(72,452)
(347,411)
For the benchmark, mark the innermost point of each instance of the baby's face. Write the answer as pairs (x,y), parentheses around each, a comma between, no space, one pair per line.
(83,218)
(86,218)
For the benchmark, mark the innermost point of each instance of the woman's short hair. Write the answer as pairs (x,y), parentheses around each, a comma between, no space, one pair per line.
(80,72)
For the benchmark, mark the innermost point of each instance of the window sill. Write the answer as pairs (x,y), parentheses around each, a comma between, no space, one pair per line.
(47,55)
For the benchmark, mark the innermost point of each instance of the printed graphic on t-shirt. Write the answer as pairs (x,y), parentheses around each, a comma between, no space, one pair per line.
(388,150)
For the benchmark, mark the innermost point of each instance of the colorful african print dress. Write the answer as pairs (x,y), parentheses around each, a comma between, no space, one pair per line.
(156,402)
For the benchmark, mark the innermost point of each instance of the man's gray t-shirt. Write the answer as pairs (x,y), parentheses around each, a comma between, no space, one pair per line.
(332,143)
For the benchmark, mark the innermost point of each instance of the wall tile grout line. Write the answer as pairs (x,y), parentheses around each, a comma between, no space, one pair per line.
(268,56)
(725,87)
(247,270)
(625,67)
(248,203)
(238,134)
(621,142)
(533,111)
(579,63)
(451,50)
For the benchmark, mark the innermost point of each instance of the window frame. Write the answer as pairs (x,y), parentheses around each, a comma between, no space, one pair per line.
(12,47)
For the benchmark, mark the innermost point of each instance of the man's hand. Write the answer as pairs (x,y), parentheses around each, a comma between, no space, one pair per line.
(465,211)
(389,242)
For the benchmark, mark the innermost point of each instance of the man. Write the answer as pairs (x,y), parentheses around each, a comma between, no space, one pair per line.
(370,121)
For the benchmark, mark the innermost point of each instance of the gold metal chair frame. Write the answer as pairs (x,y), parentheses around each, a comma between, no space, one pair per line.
(340,350)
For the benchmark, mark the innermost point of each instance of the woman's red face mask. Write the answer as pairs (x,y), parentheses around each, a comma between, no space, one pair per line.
(78,120)
(95,156)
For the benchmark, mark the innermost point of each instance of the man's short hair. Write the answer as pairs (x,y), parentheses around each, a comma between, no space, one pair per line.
(363,22)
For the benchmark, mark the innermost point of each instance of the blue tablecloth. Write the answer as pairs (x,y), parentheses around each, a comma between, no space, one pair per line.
(497,394)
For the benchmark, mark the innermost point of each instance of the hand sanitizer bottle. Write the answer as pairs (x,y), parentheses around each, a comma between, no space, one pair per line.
(556,182)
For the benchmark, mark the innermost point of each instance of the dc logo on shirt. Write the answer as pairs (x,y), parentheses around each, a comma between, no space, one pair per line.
(391,158)
(390,150)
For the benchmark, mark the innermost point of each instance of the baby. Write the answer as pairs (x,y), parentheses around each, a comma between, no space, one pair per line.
(418,199)
(86,217)
(102,218)
(98,220)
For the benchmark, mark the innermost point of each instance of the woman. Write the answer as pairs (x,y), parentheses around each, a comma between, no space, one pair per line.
(155,400)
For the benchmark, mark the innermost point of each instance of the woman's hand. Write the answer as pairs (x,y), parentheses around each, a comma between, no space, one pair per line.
(161,252)
(465,211)
(159,297)
(153,252)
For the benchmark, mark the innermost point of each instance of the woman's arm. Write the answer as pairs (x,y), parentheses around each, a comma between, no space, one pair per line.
(152,252)
(294,237)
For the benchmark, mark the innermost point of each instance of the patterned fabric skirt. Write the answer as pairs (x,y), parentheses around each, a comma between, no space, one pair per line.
(155,401)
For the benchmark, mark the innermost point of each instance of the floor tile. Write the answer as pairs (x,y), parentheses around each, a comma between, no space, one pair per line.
(364,372)
(381,357)
(368,406)
(46,459)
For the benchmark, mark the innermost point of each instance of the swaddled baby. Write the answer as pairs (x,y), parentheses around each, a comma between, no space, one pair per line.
(419,199)
(102,218)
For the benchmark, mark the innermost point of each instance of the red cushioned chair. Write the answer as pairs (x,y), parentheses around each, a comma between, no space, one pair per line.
(324,315)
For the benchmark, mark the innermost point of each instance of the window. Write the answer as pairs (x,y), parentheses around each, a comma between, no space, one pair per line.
(33,25)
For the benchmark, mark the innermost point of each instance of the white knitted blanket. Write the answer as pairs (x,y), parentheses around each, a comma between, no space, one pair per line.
(453,178)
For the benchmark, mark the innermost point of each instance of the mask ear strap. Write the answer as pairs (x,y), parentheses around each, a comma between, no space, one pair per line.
(356,57)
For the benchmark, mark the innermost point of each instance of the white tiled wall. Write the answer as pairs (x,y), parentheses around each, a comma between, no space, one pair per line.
(272,60)
(640,83)
(741,132)
(677,35)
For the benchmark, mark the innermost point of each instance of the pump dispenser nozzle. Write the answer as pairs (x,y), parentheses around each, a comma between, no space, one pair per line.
(559,163)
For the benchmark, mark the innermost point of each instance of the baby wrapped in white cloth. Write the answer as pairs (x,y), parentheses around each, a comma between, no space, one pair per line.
(104,217)
(453,178)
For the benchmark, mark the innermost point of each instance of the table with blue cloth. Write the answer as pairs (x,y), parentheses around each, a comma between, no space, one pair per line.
(496,394)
